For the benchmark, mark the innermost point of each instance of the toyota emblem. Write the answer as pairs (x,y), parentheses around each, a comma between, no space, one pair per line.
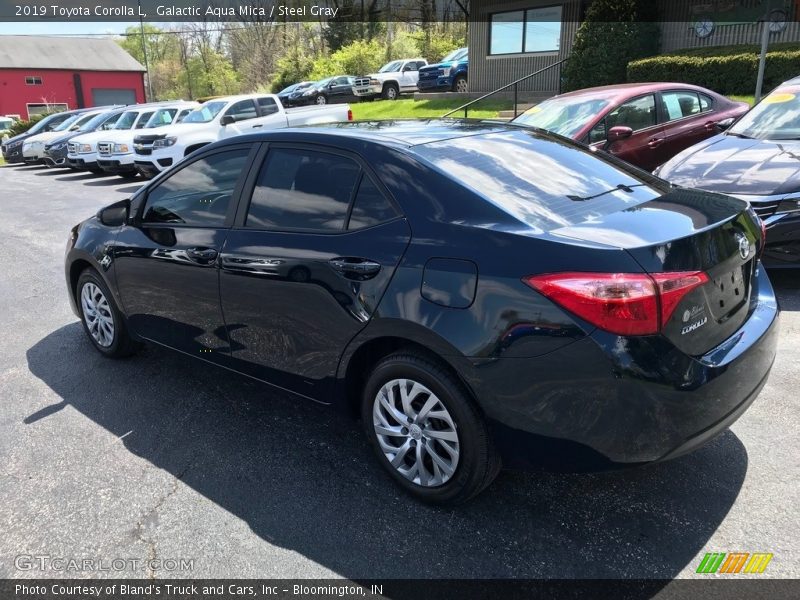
(744,246)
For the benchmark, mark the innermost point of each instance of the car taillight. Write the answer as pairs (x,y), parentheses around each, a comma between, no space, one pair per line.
(349,115)
(621,303)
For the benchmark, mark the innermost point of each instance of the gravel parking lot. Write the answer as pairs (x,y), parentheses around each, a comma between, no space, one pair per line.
(161,457)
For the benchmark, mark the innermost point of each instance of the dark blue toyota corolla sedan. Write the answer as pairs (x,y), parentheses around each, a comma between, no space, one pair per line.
(482,294)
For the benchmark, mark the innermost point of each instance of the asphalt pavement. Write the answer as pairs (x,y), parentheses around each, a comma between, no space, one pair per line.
(180,469)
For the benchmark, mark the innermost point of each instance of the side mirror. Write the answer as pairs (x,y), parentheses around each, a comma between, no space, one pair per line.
(115,214)
(74,128)
(227,120)
(724,124)
(615,134)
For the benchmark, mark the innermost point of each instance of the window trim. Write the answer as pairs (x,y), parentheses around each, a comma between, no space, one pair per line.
(138,218)
(260,159)
(523,52)
(33,79)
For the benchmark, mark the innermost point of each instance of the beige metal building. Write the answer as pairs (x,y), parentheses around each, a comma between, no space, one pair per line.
(512,38)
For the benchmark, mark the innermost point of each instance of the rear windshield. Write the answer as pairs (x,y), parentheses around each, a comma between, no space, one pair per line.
(545,184)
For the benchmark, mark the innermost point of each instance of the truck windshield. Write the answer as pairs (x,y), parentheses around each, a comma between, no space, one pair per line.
(455,55)
(392,67)
(163,116)
(127,120)
(205,113)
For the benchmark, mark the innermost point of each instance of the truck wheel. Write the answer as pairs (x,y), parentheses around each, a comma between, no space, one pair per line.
(321,100)
(391,91)
(460,84)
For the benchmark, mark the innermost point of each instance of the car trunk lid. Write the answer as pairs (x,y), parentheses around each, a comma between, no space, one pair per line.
(686,231)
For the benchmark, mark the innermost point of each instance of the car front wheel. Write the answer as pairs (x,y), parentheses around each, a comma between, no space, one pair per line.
(321,99)
(390,92)
(102,320)
(426,430)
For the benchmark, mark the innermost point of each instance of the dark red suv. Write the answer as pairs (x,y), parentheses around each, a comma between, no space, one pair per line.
(643,123)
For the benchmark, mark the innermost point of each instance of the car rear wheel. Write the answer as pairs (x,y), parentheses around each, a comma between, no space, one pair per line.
(390,91)
(460,84)
(426,430)
(321,99)
(102,320)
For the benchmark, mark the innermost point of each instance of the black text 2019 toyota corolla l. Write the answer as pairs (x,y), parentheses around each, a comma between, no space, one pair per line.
(481,293)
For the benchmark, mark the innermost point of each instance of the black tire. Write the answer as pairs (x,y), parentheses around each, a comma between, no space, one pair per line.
(478,463)
(122,345)
(97,171)
(129,175)
(390,91)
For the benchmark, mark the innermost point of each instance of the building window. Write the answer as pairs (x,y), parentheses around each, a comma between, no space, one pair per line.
(524,31)
(45,109)
(33,80)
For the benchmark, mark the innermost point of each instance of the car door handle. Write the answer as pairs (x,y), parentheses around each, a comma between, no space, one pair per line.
(655,142)
(257,126)
(710,126)
(355,268)
(202,255)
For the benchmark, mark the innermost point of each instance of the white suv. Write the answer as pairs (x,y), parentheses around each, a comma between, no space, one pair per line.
(393,79)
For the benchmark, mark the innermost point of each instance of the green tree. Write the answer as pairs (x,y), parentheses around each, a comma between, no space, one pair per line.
(614,33)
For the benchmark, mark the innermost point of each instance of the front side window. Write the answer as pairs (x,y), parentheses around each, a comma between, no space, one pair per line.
(303,189)
(637,114)
(198,194)
(242,110)
(127,120)
(141,122)
(678,105)
(520,31)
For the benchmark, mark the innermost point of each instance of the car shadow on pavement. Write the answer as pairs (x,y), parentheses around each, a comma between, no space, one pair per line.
(81,176)
(304,478)
(786,283)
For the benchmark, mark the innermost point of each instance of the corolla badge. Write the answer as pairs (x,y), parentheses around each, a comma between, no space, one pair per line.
(744,245)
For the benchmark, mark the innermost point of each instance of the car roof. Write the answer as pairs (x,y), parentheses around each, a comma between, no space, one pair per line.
(397,132)
(631,89)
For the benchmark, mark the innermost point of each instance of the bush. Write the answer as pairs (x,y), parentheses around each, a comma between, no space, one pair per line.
(614,33)
(727,74)
(23,126)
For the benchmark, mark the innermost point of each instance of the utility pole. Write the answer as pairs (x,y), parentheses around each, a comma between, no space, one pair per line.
(762,60)
(149,97)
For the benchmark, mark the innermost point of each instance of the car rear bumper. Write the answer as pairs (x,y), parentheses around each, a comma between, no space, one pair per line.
(608,401)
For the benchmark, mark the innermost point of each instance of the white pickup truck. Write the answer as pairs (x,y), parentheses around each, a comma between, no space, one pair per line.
(113,142)
(393,79)
(222,118)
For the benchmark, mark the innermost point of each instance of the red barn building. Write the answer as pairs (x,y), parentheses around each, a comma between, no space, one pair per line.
(41,74)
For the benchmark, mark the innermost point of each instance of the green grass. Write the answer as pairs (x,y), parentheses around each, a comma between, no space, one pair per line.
(2,160)
(749,99)
(415,109)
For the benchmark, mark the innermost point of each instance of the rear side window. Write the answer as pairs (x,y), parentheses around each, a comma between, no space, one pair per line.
(678,105)
(370,206)
(303,189)
(198,194)
(544,184)
(267,106)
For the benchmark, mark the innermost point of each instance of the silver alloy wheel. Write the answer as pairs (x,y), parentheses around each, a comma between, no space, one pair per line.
(321,99)
(416,433)
(391,92)
(97,313)
(461,85)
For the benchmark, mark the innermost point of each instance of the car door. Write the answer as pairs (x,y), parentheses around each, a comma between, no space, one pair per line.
(642,148)
(167,260)
(269,116)
(242,112)
(409,75)
(340,90)
(315,243)
(688,119)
